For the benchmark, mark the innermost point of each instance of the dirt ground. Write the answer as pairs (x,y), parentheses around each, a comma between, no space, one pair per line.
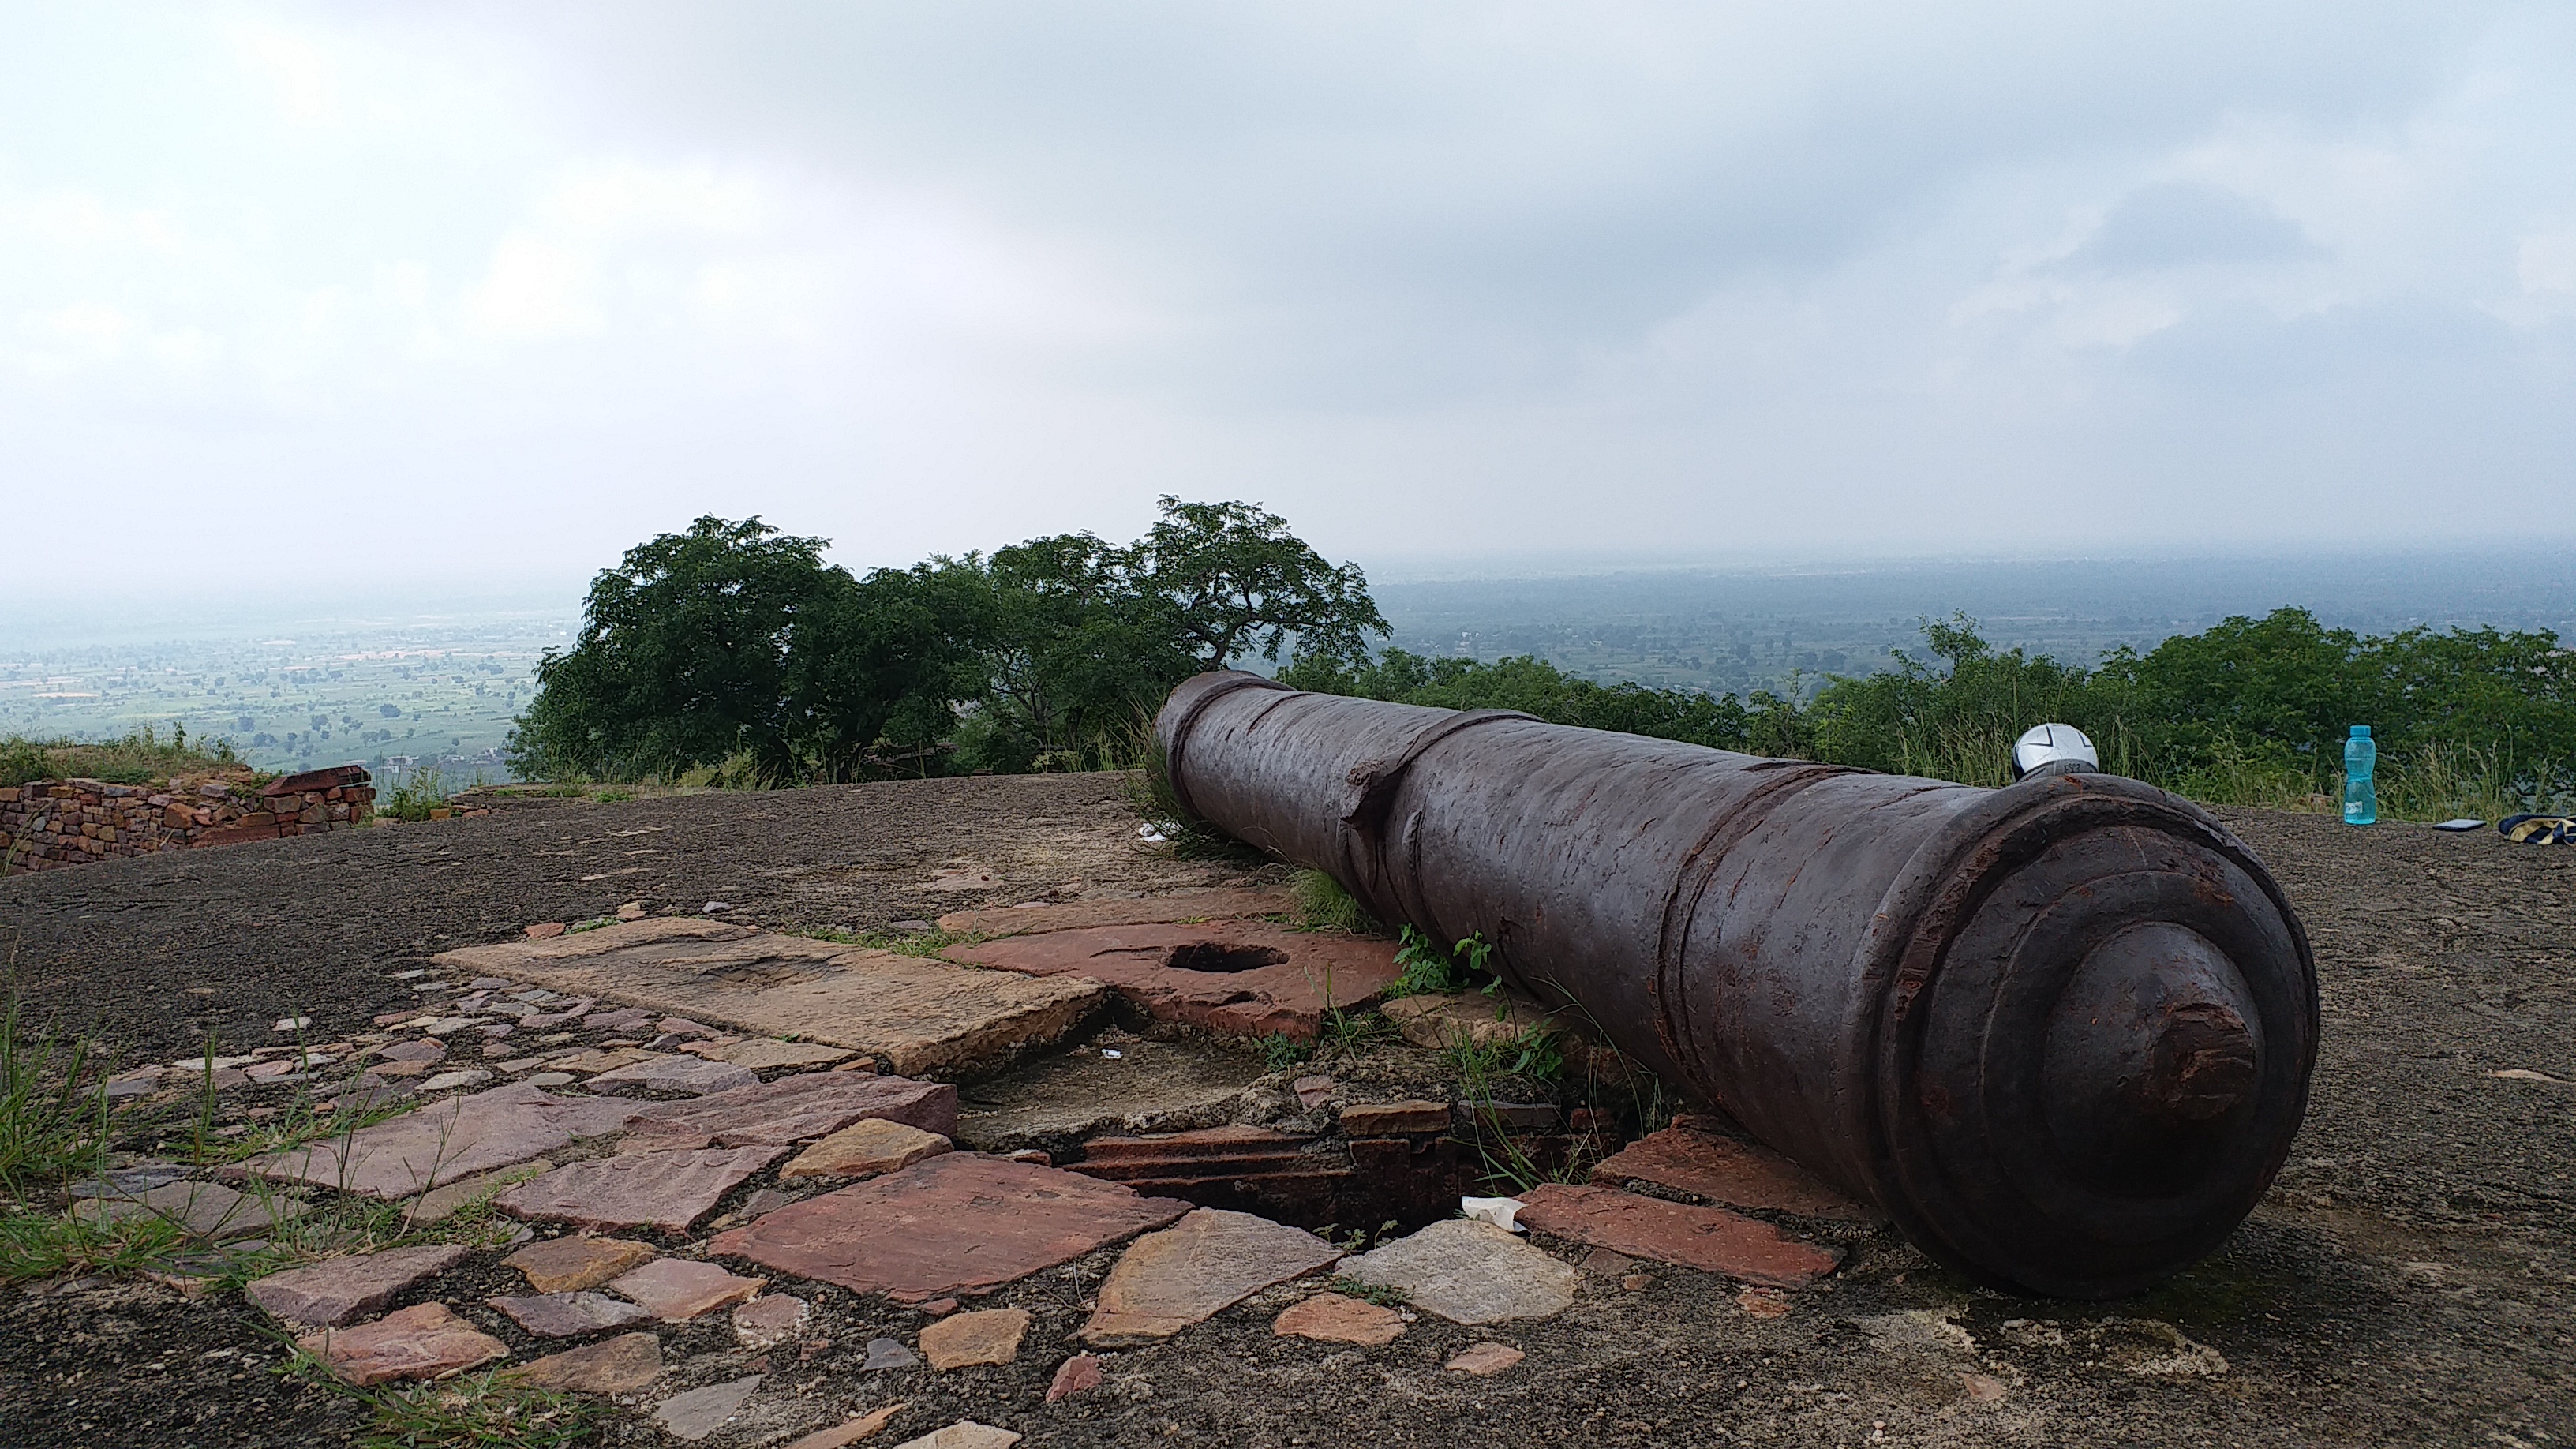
(2411,1280)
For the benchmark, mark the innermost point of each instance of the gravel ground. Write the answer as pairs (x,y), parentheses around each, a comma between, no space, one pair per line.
(2411,1280)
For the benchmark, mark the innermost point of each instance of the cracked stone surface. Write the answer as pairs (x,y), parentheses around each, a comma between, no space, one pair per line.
(955,1223)
(621,1365)
(1470,1272)
(565,1265)
(1226,903)
(569,1315)
(335,1291)
(864,1149)
(769,1320)
(1333,1318)
(668,1189)
(793,1109)
(425,1341)
(919,1014)
(1205,1263)
(679,1289)
(444,1141)
(699,1412)
(690,1074)
(1712,1240)
(1729,1172)
(1304,972)
(964,1340)
(207,1210)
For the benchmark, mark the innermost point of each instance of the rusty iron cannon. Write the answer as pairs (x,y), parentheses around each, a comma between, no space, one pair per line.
(2061,1032)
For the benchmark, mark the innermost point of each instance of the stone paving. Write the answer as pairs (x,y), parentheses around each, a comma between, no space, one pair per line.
(813,1169)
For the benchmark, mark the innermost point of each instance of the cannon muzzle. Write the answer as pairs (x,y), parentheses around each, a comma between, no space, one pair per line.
(2060,1033)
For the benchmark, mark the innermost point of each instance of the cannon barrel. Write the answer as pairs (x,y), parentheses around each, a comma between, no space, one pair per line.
(2060,1033)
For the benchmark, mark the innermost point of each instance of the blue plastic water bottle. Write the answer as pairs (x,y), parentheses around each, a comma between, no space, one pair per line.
(2360,796)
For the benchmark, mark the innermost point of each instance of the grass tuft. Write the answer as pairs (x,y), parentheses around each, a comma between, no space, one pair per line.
(1322,905)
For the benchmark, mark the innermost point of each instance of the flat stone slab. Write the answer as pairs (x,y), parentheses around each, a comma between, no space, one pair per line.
(693,1075)
(1236,977)
(1226,903)
(1150,1086)
(569,1315)
(964,1434)
(425,1341)
(567,1265)
(1470,1272)
(621,1365)
(917,1014)
(1333,1318)
(668,1189)
(966,1340)
(864,1149)
(444,1141)
(679,1289)
(1484,1360)
(1205,1263)
(769,1320)
(795,1109)
(335,1291)
(1728,1172)
(1712,1240)
(951,1224)
(207,1210)
(699,1412)
(761,1053)
(1395,1119)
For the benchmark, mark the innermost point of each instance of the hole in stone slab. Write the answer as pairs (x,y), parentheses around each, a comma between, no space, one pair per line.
(1218,957)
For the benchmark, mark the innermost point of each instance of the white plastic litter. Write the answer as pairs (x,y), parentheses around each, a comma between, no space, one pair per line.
(2461,824)
(1152,833)
(1496,1210)
(1112,1053)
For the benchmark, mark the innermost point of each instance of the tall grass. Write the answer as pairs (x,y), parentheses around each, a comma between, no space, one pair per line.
(139,757)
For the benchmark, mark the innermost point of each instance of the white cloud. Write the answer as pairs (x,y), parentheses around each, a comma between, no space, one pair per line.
(1511,276)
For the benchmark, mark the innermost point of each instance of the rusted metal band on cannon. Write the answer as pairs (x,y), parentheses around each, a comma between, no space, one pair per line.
(2061,1033)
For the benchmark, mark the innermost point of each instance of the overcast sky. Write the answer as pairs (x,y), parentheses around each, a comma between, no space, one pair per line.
(368,292)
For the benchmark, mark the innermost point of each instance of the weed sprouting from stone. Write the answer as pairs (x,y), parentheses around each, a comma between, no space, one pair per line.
(489,1410)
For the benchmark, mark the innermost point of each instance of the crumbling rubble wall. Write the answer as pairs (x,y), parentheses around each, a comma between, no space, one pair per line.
(49,824)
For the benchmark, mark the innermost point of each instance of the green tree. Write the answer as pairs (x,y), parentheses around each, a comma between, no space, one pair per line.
(682,658)
(880,663)
(1077,651)
(1238,582)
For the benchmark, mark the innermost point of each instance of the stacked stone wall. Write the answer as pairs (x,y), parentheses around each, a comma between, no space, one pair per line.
(50,824)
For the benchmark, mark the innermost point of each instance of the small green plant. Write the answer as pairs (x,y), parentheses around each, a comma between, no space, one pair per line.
(1279,1053)
(41,1245)
(51,1126)
(902,943)
(1384,1295)
(1432,969)
(490,1410)
(1322,905)
(414,798)
(614,797)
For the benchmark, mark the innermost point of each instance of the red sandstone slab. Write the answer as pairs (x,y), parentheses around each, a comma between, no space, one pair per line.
(1712,1240)
(1242,978)
(335,1290)
(956,1223)
(795,1109)
(425,1341)
(667,1189)
(447,1140)
(1727,1171)
(1225,904)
